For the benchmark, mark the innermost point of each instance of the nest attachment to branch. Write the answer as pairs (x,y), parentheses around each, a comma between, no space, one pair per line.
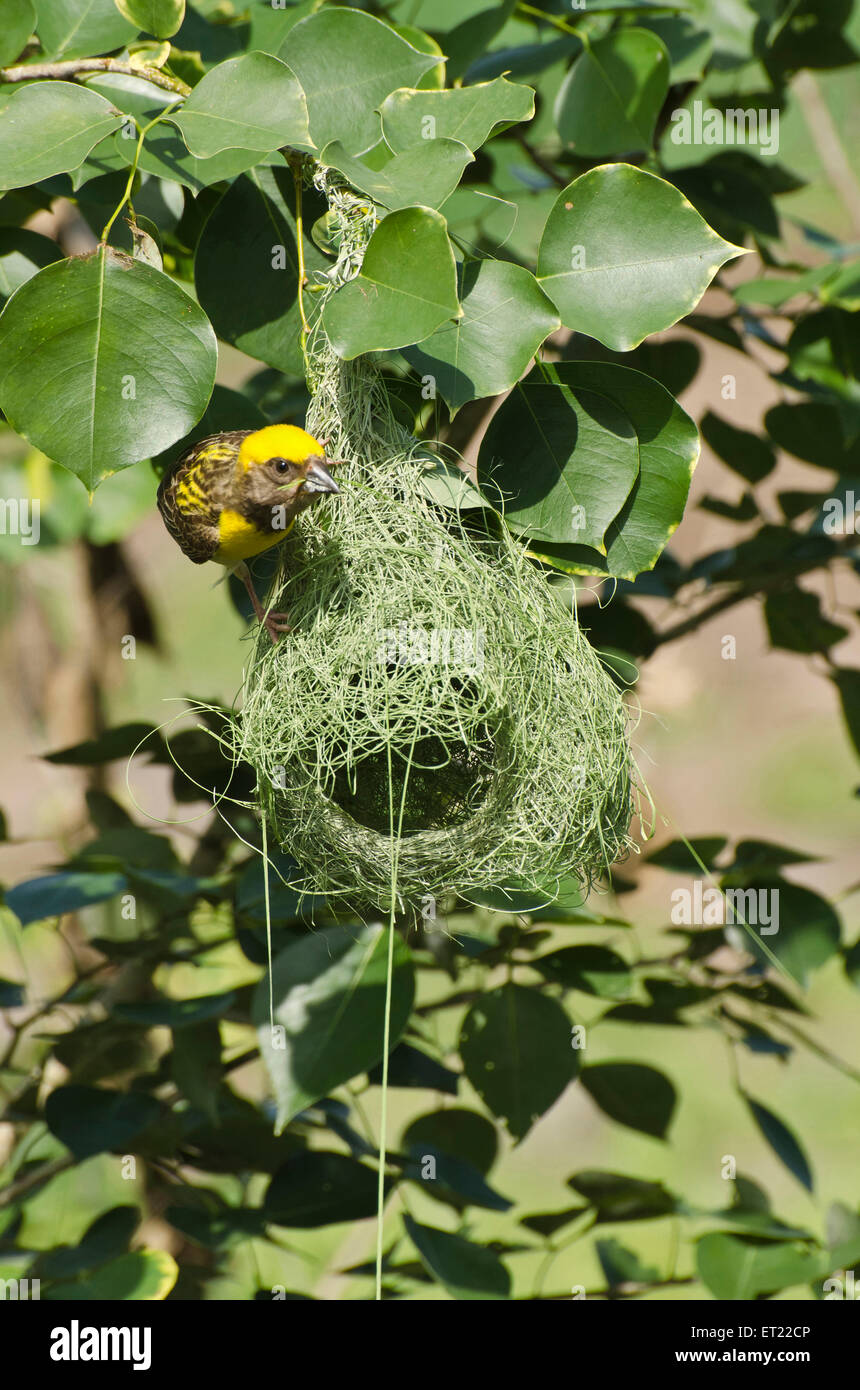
(433,684)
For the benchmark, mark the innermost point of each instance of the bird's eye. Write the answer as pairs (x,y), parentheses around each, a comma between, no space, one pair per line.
(281,465)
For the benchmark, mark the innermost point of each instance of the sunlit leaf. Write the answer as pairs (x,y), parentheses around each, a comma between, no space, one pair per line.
(623,254)
(49,128)
(407,287)
(135,355)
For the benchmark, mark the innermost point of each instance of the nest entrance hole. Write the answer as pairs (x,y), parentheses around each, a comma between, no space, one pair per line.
(446,785)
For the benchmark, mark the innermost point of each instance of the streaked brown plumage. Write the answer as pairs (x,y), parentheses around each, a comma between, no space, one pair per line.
(236,494)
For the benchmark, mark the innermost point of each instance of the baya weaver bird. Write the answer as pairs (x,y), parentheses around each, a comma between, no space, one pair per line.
(236,494)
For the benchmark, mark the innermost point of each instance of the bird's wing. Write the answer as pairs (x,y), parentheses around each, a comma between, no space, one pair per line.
(194,492)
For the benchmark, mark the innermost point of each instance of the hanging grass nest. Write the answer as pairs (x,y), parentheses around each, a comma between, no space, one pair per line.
(435,722)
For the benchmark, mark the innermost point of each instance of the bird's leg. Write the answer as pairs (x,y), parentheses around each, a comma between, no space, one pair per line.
(274,623)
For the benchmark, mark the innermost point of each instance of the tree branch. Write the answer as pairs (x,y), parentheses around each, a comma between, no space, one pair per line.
(746,590)
(30,72)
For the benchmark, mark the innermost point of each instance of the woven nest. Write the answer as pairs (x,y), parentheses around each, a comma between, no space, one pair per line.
(435,722)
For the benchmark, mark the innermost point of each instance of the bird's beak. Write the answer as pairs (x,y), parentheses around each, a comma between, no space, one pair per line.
(318,478)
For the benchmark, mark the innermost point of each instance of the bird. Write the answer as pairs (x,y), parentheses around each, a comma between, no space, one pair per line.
(235,494)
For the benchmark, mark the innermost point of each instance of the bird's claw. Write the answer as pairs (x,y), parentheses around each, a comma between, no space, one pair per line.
(276,624)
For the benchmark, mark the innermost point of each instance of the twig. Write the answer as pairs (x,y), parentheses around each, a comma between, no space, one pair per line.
(747,590)
(543,164)
(541,15)
(31,72)
(126,197)
(39,1175)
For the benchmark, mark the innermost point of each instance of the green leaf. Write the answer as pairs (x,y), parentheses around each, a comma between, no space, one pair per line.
(623,254)
(81,28)
(774,291)
(546,1223)
(852,964)
(462,113)
(425,173)
(610,100)
(448,486)
(750,455)
(756,856)
(733,1268)
(795,622)
(318,1189)
(593,969)
(677,858)
(159,17)
(664,436)
(462,1133)
(843,288)
(813,431)
(517,1053)
(165,155)
(173,1013)
(810,35)
(19,22)
(847,682)
(583,460)
(89,1120)
(808,929)
(348,63)
(674,362)
(286,902)
(22,254)
(474,35)
(623,1266)
(407,287)
(221,1229)
(467,1270)
(553,902)
(139,1276)
(269,27)
(478,215)
(329,991)
(689,46)
(121,741)
(56,894)
(506,317)
(136,355)
(619,1198)
(825,348)
(108,1236)
(434,78)
(49,128)
(248,103)
(731,192)
(637,1096)
(246,268)
(409,1066)
(164,152)
(195,1065)
(782,1141)
(452,1180)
